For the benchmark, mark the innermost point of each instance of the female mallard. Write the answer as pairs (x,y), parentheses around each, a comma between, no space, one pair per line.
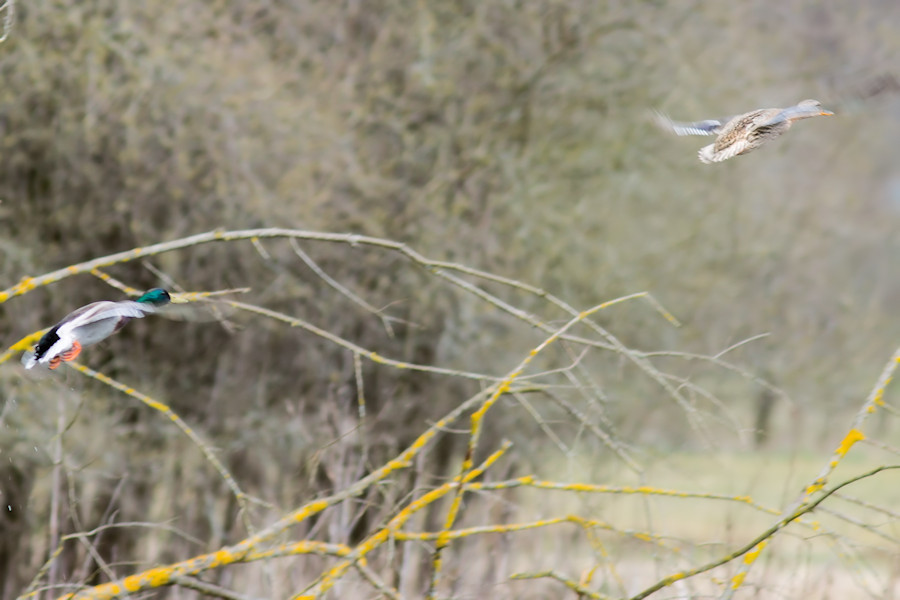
(89,325)
(744,133)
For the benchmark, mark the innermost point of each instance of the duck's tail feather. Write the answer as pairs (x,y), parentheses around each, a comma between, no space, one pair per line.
(29,359)
(707,154)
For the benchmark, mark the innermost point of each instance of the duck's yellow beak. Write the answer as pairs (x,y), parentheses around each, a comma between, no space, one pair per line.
(826,113)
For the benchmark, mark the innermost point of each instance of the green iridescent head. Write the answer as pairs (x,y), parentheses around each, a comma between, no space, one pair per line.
(156,297)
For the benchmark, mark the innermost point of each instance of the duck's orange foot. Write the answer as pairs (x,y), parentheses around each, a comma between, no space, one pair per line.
(55,362)
(72,353)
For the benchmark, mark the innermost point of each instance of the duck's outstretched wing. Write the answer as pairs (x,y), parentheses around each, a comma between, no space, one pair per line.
(707,127)
(98,311)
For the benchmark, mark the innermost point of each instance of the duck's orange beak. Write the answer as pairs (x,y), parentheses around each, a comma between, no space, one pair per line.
(826,113)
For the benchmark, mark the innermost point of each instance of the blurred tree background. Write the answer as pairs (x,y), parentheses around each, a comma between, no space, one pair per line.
(514,137)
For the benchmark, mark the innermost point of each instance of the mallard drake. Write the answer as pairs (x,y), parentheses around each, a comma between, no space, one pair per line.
(746,132)
(89,325)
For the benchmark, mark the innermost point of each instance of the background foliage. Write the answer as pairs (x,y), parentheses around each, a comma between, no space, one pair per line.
(513,137)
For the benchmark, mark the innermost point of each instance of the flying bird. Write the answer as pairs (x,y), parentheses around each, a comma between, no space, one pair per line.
(746,132)
(89,325)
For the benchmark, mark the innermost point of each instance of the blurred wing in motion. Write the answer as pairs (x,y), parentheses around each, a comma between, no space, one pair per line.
(707,127)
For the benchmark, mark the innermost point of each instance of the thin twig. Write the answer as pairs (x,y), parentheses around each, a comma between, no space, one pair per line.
(315,268)
(209,589)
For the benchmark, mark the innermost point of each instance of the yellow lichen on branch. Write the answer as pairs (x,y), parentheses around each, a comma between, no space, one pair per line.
(853,436)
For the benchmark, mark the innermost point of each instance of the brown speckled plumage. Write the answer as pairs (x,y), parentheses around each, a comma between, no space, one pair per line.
(746,132)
